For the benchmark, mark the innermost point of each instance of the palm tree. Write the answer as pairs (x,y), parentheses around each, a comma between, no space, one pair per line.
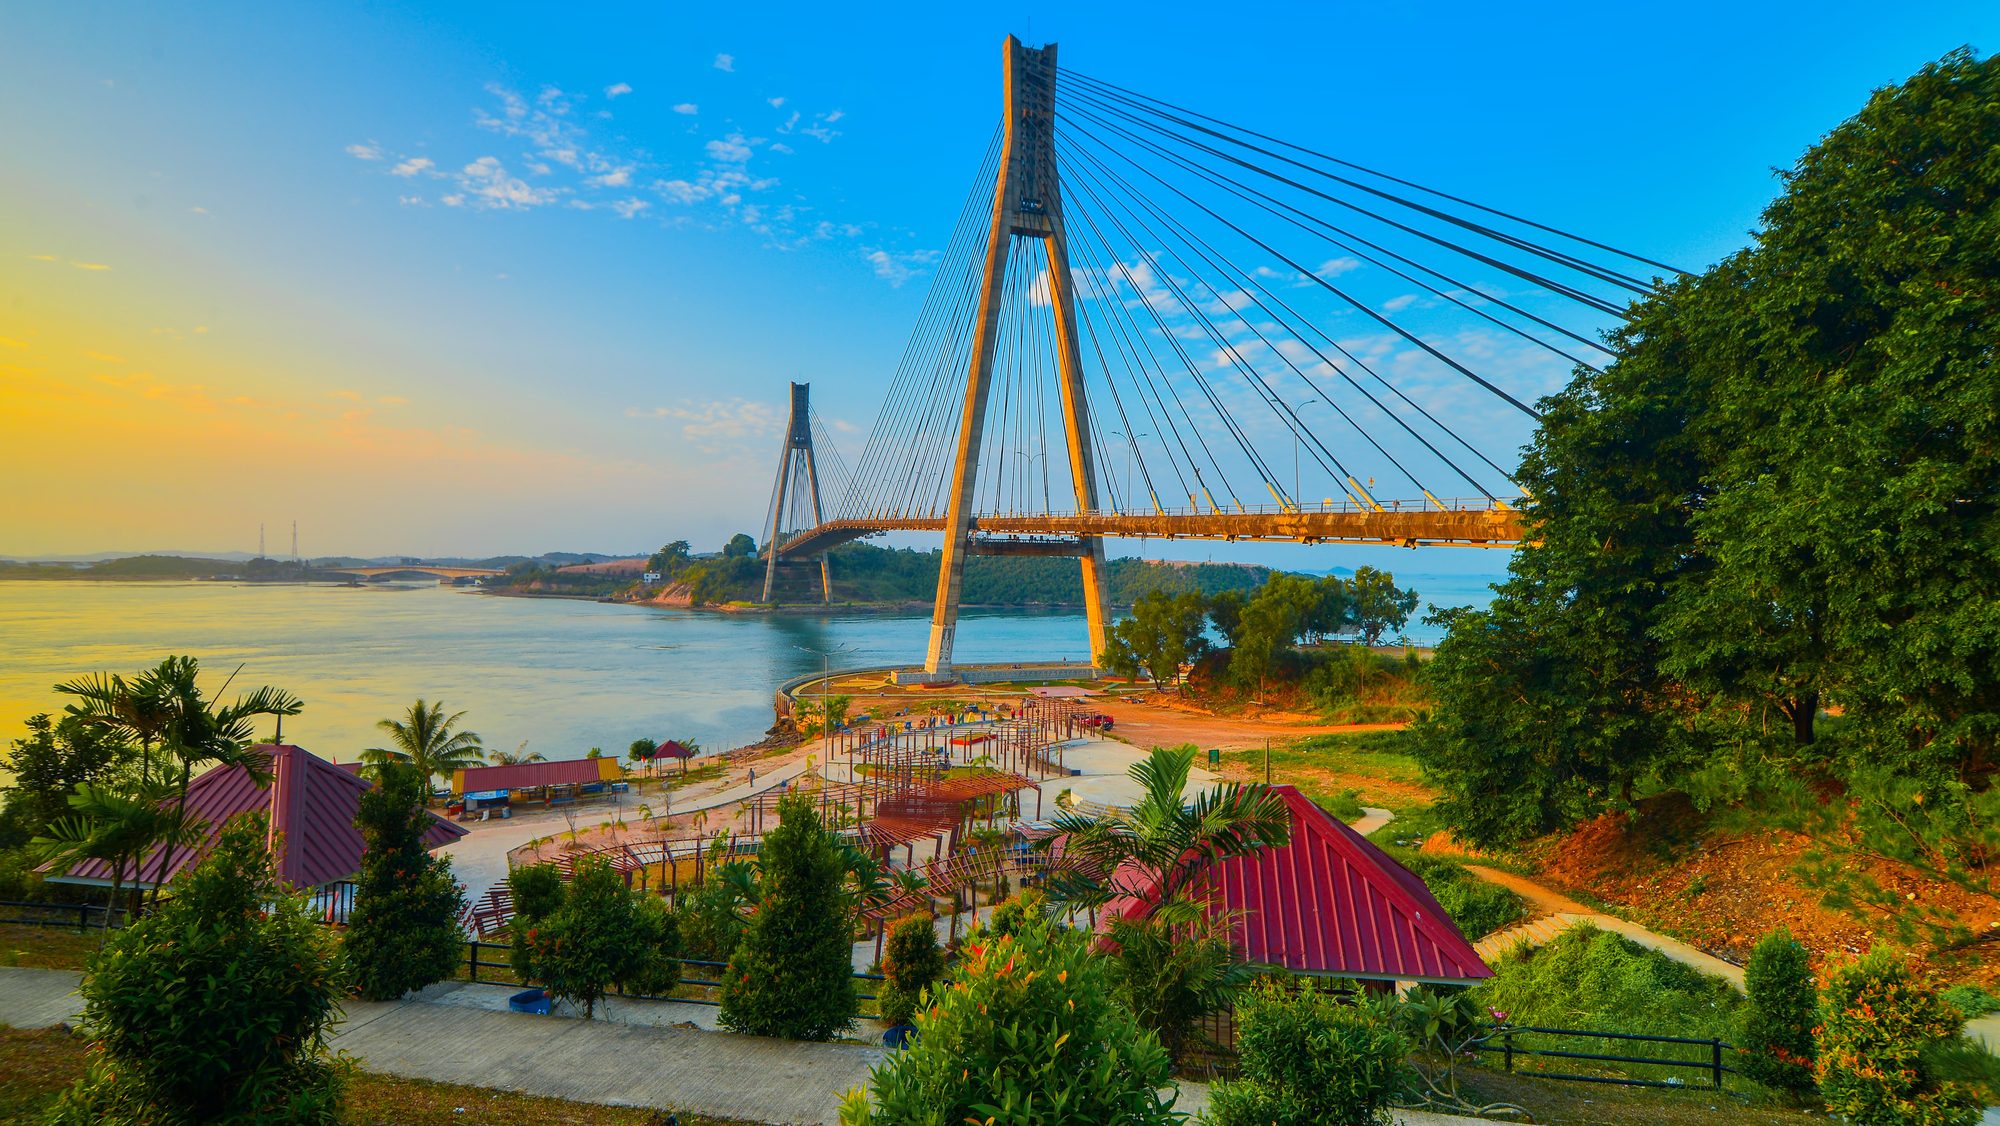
(1154,851)
(117,828)
(424,738)
(513,757)
(165,706)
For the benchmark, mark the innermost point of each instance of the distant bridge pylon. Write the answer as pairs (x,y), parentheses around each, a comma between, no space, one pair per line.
(798,472)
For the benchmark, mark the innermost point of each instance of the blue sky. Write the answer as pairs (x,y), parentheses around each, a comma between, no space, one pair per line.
(469,279)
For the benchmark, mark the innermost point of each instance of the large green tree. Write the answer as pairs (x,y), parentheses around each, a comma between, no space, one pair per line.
(1783,494)
(403,933)
(1164,632)
(48,764)
(792,974)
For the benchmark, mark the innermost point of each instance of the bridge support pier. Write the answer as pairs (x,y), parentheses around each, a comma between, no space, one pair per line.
(1027,202)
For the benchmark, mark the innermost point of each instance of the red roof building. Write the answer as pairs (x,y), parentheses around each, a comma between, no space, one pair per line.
(311,804)
(1331,903)
(530,775)
(671,748)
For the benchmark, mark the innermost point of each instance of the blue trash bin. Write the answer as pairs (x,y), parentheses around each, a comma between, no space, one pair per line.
(530,1001)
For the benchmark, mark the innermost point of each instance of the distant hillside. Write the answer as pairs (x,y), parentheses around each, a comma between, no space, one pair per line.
(864,574)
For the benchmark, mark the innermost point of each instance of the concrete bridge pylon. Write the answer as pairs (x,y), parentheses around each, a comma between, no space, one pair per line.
(1027,203)
(796,466)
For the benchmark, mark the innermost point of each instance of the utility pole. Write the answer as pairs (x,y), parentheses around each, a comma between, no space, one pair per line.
(1267,760)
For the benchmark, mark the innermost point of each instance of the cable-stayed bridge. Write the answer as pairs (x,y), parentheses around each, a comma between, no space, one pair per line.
(1148,322)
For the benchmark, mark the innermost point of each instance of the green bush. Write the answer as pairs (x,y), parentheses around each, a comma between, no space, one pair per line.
(1311,1058)
(710,919)
(912,963)
(537,890)
(1174,968)
(792,975)
(403,933)
(601,934)
(1778,1022)
(1882,1040)
(1591,979)
(1972,1000)
(1026,1033)
(1478,908)
(215,1007)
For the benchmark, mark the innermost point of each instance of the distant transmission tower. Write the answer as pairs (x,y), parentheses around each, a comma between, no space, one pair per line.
(295,541)
(260,539)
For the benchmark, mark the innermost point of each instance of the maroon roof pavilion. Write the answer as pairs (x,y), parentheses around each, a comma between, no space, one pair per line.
(310,801)
(1332,903)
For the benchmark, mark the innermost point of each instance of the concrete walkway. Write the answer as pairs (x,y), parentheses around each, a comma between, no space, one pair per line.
(459,1033)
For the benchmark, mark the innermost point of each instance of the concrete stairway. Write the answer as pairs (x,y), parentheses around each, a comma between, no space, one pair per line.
(1534,932)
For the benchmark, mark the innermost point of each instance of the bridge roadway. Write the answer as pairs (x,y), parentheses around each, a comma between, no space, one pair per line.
(414,569)
(1399,524)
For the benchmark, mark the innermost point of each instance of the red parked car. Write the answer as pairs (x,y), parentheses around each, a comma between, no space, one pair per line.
(1097,722)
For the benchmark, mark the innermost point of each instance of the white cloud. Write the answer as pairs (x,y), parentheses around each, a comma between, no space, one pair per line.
(735,149)
(412,166)
(369,151)
(897,268)
(411,201)
(716,425)
(615,89)
(616,178)
(1399,303)
(688,109)
(726,62)
(630,208)
(199,210)
(776,103)
(836,115)
(488,184)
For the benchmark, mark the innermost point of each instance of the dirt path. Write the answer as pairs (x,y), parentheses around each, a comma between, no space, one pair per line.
(1147,724)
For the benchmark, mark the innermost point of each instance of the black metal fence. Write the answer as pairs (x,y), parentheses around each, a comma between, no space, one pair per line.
(1670,1058)
(479,967)
(1625,1059)
(75,916)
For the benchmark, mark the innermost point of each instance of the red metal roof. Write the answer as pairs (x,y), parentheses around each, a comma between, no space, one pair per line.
(672,748)
(310,801)
(1332,903)
(523,775)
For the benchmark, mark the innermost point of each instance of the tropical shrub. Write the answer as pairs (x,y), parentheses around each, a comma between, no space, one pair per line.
(912,963)
(1477,907)
(710,918)
(215,1007)
(1881,1036)
(792,974)
(537,889)
(1778,1022)
(1027,1032)
(1972,1000)
(1312,1058)
(1174,968)
(1593,979)
(601,934)
(403,933)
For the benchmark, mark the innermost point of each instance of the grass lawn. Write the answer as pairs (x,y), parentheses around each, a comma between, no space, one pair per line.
(1375,763)
(1558,1103)
(35,1066)
(46,948)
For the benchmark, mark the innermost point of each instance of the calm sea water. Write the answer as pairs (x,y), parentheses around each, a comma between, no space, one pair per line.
(562,675)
